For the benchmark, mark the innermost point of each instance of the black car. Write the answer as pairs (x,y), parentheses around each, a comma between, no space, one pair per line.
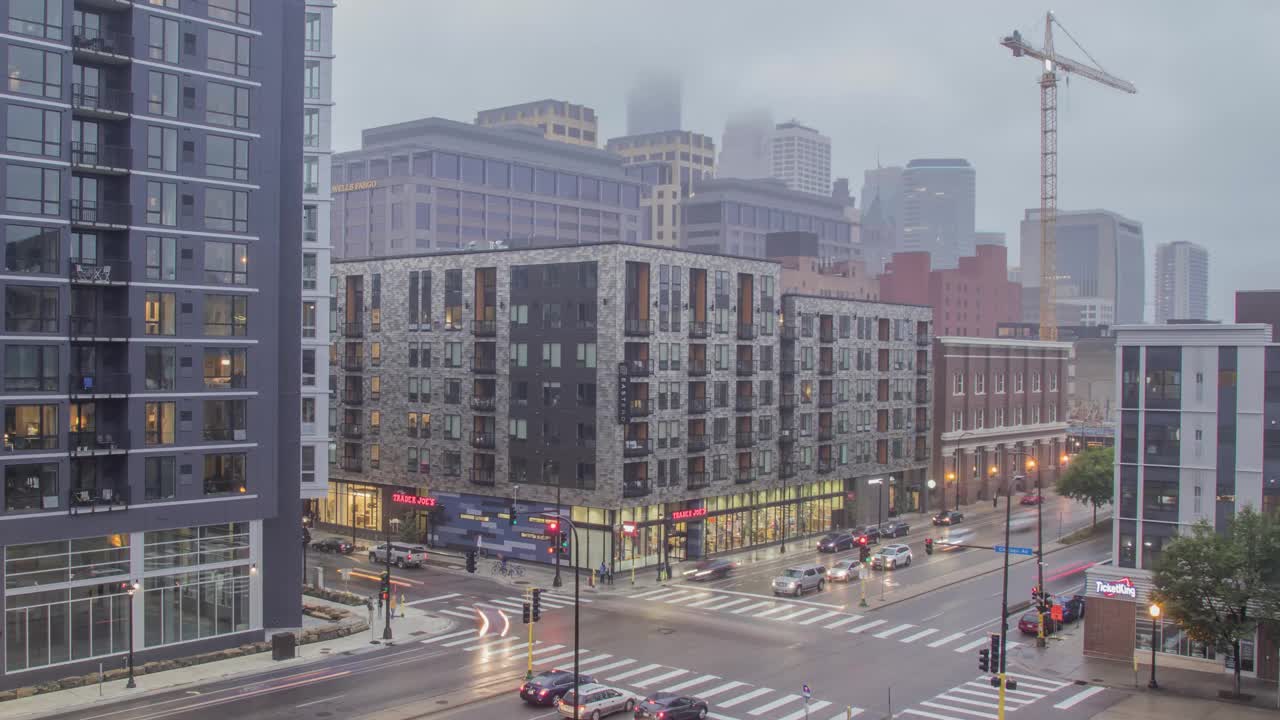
(949,517)
(712,569)
(1072,607)
(549,686)
(835,542)
(895,528)
(333,545)
(870,532)
(672,706)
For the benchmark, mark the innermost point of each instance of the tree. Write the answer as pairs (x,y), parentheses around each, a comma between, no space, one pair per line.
(1217,585)
(1088,478)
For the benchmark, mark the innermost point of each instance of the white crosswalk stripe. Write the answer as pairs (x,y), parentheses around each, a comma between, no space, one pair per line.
(1057,684)
(969,701)
(916,636)
(774,705)
(814,707)
(933,716)
(867,626)
(971,645)
(432,599)
(593,660)
(796,614)
(632,673)
(459,613)
(731,685)
(1013,693)
(557,658)
(691,683)
(745,697)
(947,639)
(547,649)
(1078,698)
(818,618)
(499,644)
(894,631)
(649,593)
(711,599)
(455,643)
(729,604)
(753,606)
(506,603)
(679,596)
(845,621)
(441,638)
(605,668)
(566,599)
(771,611)
(660,678)
(948,708)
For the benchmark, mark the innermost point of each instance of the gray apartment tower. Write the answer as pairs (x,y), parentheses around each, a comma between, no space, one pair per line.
(1182,282)
(151,290)
(435,185)
(938,207)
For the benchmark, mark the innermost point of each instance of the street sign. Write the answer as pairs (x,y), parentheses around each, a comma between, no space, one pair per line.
(1056,613)
(1014,550)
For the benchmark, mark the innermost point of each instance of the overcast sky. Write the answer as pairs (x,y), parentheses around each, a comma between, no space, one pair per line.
(1193,156)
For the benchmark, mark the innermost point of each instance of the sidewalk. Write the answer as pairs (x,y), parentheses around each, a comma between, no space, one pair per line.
(416,624)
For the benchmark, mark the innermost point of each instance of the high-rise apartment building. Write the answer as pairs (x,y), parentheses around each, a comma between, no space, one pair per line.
(152,290)
(317,197)
(735,216)
(435,185)
(939,200)
(1101,267)
(1198,406)
(681,391)
(654,103)
(745,149)
(1182,282)
(556,119)
(671,165)
(801,158)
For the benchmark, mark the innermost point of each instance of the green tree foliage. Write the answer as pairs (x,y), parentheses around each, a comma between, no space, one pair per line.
(1217,586)
(1088,478)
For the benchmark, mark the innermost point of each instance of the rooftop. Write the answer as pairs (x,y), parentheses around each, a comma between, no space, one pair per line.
(421,133)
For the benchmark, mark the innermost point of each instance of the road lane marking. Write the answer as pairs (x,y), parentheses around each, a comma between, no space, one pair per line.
(621,663)
(894,631)
(971,645)
(1079,698)
(631,673)
(431,599)
(845,716)
(916,636)
(970,701)
(729,604)
(594,659)
(947,639)
(649,593)
(823,616)
(677,597)
(948,708)
(1057,684)
(561,656)
(845,621)
(867,626)
(547,649)
(926,713)
(752,606)
(745,697)
(335,697)
(814,706)
(560,597)
(691,683)
(771,611)
(458,613)
(722,689)
(1008,692)
(660,678)
(796,614)
(428,641)
(774,705)
(758,595)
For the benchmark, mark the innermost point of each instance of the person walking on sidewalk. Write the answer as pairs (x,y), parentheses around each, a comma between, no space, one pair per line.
(995,501)
(604,572)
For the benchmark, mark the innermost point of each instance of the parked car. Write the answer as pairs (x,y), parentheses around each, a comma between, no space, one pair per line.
(402,555)
(548,686)
(1031,499)
(895,528)
(800,579)
(670,706)
(891,557)
(948,517)
(333,545)
(835,542)
(843,571)
(1028,624)
(597,702)
(870,532)
(1072,607)
(710,569)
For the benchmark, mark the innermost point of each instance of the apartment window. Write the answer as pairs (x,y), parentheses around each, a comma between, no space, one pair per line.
(311,80)
(162,149)
(31,368)
(161,364)
(1017,416)
(957,420)
(311,176)
(226,105)
(228,264)
(309,272)
(159,474)
(33,190)
(453,427)
(311,223)
(224,473)
(162,93)
(979,384)
(586,355)
(1017,382)
(453,354)
(226,210)
(29,249)
(520,354)
(311,127)
(979,420)
(226,315)
(225,369)
(227,158)
(550,394)
(35,72)
(224,420)
(162,43)
(309,319)
(158,420)
(160,313)
(162,261)
(957,383)
(551,355)
(308,463)
(311,36)
(1053,381)
(37,18)
(1035,381)
(232,11)
(999,383)
(227,53)
(162,203)
(34,131)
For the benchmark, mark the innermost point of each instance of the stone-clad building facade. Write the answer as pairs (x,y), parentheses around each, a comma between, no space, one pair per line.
(619,382)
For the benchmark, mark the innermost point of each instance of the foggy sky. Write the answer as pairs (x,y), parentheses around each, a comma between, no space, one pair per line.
(1193,155)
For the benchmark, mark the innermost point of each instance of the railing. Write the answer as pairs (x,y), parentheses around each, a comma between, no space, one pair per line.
(483,440)
(829,369)
(922,369)
(99,384)
(786,470)
(484,404)
(352,430)
(486,365)
(744,403)
(827,335)
(637,368)
(697,368)
(93,97)
(109,497)
(745,476)
(99,270)
(789,367)
(101,326)
(699,330)
(353,363)
(826,434)
(351,464)
(746,367)
(698,480)
(484,328)
(637,448)
(922,341)
(353,398)
(826,467)
(790,332)
(745,439)
(98,441)
(23,443)
(826,401)
(481,476)
(636,488)
(697,406)
(104,156)
(92,212)
(451,398)
(787,402)
(747,331)
(698,443)
(103,41)
(353,329)
(635,327)
(786,436)
(639,407)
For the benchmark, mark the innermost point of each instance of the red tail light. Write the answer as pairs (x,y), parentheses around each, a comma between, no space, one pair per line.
(543,693)
(661,715)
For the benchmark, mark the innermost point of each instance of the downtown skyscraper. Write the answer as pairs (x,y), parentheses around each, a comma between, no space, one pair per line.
(1182,282)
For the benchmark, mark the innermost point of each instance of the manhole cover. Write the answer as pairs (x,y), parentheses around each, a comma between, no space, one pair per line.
(521,582)
(418,632)
(666,631)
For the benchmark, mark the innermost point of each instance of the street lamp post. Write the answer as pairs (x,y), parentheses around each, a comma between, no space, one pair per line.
(556,581)
(1033,464)
(133,588)
(1155,615)
(392,526)
(950,476)
(879,483)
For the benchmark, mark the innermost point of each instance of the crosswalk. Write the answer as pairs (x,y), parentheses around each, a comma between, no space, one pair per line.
(978,699)
(811,614)
(744,700)
(451,604)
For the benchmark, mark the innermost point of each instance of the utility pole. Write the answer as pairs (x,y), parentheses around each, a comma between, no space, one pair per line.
(1004,598)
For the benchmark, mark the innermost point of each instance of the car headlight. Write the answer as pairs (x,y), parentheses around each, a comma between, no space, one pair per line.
(700,573)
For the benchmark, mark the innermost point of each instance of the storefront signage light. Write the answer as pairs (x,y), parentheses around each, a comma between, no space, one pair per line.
(353,186)
(404,498)
(679,515)
(535,536)
(477,518)
(1123,587)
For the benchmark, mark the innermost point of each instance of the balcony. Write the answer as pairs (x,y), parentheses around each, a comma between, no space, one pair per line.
(697,368)
(699,330)
(786,470)
(351,464)
(99,384)
(697,406)
(636,488)
(746,368)
(91,213)
(86,443)
(745,476)
(744,403)
(786,436)
(353,398)
(922,341)
(826,401)
(355,431)
(353,363)
(698,443)
(99,327)
(636,368)
(922,369)
(637,448)
(826,466)
(639,407)
(484,328)
(484,366)
(101,102)
(747,331)
(99,271)
(353,329)
(635,327)
(26,443)
(108,159)
(698,480)
(484,440)
(789,366)
(921,456)
(111,495)
(484,404)
(826,335)
(922,396)
(787,402)
(827,370)
(744,439)
(452,399)
(101,45)
(482,476)
(790,332)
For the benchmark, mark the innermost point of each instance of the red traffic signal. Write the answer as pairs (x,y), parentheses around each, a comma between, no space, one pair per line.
(862,540)
(553,527)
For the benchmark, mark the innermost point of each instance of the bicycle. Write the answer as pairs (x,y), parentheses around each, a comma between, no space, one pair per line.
(502,568)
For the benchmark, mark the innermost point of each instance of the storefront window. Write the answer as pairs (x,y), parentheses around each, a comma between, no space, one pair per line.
(190,606)
(353,503)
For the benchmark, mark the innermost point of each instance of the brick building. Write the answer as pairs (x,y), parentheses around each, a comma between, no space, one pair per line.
(968,301)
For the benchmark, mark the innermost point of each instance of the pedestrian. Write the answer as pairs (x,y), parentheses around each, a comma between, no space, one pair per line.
(604,572)
(379,602)
(995,501)
(401,604)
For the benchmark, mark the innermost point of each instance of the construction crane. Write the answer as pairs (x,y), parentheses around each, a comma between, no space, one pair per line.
(1053,62)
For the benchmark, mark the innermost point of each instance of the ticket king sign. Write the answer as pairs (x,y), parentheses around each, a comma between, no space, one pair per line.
(1118,588)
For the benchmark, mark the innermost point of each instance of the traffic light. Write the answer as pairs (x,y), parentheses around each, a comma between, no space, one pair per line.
(928,546)
(524,614)
(537,604)
(984,660)
(471,561)
(995,652)
(564,543)
(512,514)
(553,528)
(386,583)
(864,553)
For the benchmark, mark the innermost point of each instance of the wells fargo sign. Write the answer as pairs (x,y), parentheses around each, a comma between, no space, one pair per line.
(353,186)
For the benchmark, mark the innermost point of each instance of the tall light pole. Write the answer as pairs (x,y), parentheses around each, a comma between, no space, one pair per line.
(392,525)
(1033,464)
(556,581)
(950,476)
(133,589)
(1155,616)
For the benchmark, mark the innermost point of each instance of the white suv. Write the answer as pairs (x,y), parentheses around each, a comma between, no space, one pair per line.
(891,557)
(401,555)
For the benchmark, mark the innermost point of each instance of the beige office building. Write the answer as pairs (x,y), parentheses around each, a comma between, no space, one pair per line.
(558,120)
(673,162)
